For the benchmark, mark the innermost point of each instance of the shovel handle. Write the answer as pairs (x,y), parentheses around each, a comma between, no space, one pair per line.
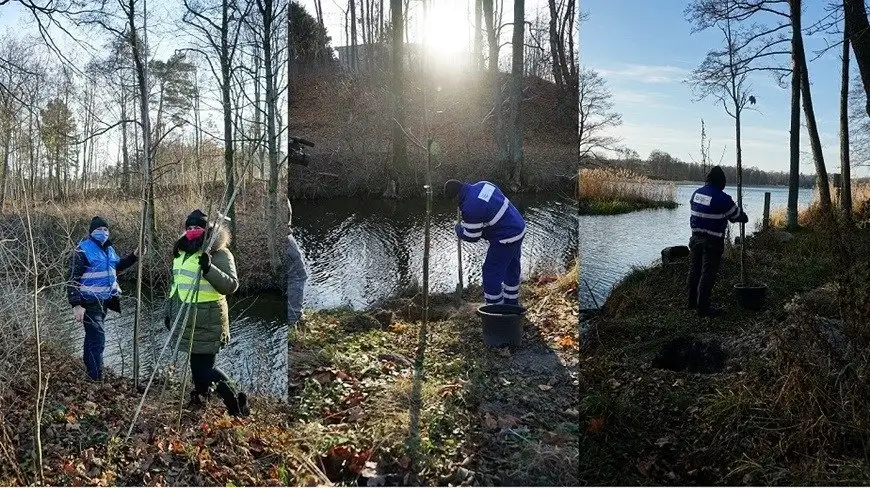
(459,249)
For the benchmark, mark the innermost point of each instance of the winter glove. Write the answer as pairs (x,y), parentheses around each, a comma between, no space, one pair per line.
(743,218)
(166,322)
(204,262)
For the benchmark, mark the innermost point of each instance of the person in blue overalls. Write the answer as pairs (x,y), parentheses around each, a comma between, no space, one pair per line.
(711,210)
(488,214)
(92,289)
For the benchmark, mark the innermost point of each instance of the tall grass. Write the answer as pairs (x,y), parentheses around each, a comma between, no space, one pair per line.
(615,190)
(810,215)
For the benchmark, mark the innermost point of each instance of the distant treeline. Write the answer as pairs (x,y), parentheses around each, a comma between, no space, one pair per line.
(662,166)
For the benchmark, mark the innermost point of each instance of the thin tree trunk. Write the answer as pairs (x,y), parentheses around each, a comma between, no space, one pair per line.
(845,164)
(516,143)
(495,78)
(812,128)
(795,126)
(478,36)
(858,31)
(267,13)
(354,56)
(554,41)
(4,176)
(227,102)
(400,150)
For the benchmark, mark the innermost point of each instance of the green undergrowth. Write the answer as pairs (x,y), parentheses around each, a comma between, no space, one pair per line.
(785,410)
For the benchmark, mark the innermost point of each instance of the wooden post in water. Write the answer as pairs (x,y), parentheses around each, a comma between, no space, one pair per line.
(766,220)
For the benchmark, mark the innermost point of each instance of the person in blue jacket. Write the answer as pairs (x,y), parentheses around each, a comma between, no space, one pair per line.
(711,210)
(92,289)
(488,214)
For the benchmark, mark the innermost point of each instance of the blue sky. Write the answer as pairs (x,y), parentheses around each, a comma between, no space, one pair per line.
(645,49)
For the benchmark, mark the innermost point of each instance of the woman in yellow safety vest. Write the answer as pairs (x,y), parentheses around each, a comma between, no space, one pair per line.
(208,321)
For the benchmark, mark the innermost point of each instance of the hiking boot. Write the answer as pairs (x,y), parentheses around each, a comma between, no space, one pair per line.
(244,409)
(196,401)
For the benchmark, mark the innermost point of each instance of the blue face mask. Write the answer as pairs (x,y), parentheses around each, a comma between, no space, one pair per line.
(100,235)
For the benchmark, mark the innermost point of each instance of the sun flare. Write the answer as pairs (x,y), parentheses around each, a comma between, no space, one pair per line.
(447,28)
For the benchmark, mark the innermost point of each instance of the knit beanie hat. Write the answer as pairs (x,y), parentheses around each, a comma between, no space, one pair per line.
(196,218)
(96,222)
(716,177)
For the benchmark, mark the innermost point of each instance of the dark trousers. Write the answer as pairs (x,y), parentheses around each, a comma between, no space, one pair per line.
(95,339)
(204,374)
(706,256)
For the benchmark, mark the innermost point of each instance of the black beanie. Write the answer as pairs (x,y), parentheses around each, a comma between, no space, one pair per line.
(196,218)
(716,177)
(97,221)
(452,188)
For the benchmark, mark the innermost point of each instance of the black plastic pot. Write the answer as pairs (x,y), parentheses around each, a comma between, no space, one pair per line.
(751,297)
(502,324)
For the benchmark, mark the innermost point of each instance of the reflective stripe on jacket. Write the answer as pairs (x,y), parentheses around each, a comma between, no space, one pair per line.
(487,213)
(185,269)
(100,280)
(711,209)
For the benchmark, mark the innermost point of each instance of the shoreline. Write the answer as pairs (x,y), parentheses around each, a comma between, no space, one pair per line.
(354,392)
(698,417)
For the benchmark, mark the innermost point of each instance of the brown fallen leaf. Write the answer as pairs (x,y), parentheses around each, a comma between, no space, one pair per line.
(508,421)
(490,422)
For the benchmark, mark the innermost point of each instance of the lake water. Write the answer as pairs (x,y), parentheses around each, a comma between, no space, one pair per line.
(612,245)
(358,252)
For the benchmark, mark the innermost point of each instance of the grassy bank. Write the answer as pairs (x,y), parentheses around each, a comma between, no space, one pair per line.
(788,407)
(605,191)
(482,416)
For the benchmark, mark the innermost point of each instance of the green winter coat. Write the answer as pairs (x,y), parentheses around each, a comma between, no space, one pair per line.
(210,325)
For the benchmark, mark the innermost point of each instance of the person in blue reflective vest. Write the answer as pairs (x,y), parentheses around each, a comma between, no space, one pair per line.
(92,289)
(711,210)
(488,214)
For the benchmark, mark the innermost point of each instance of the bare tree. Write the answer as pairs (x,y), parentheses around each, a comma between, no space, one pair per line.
(400,149)
(516,97)
(493,28)
(723,76)
(596,115)
(268,25)
(218,27)
(845,162)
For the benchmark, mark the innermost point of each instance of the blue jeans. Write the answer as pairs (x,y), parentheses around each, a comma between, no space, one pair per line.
(501,273)
(95,339)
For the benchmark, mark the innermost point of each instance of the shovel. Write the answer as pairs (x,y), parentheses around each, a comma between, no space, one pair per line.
(459,286)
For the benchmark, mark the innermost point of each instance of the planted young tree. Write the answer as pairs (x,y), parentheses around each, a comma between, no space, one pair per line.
(723,76)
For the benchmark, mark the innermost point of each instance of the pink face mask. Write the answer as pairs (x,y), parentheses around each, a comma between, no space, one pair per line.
(194,234)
